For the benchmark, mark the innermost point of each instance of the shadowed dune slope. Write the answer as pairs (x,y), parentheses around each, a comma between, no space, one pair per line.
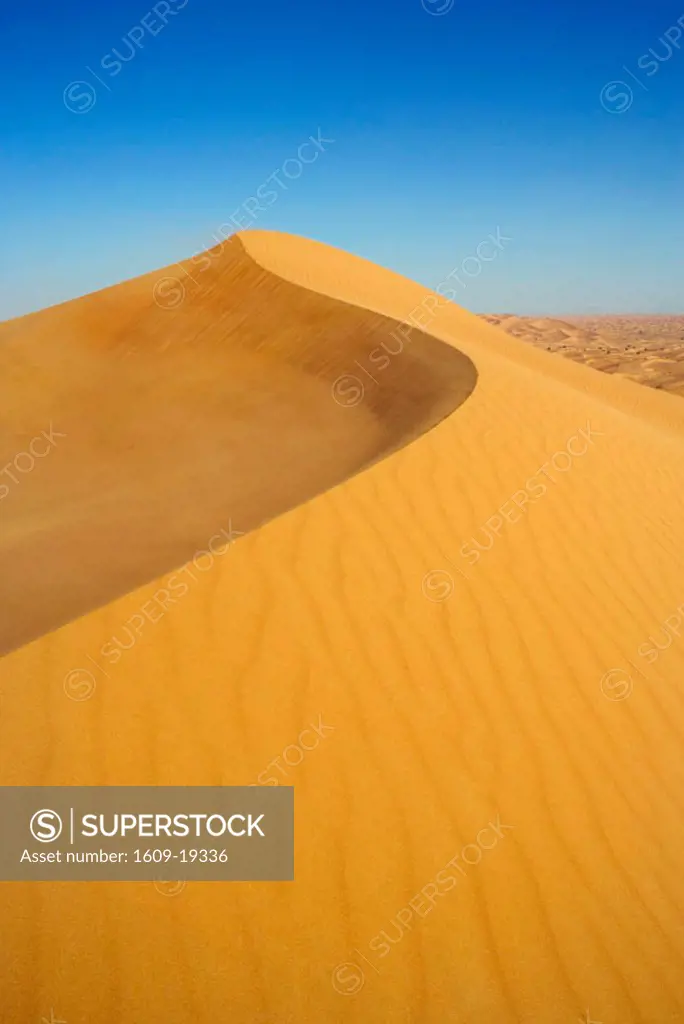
(484,633)
(172,422)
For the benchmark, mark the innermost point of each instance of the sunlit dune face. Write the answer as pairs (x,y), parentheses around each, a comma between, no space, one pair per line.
(136,428)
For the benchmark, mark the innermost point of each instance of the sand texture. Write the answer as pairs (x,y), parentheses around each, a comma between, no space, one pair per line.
(646,349)
(456,560)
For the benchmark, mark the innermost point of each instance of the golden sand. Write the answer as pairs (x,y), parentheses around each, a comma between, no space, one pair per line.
(467,559)
(646,349)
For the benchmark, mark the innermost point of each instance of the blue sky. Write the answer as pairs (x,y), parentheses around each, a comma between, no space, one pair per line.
(451,121)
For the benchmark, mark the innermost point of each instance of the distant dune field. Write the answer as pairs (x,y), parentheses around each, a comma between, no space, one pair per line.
(458,561)
(646,349)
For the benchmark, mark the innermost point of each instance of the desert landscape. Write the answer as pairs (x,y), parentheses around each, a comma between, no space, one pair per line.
(453,558)
(646,349)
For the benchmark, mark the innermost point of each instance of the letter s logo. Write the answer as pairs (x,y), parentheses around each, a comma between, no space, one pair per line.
(79,97)
(46,826)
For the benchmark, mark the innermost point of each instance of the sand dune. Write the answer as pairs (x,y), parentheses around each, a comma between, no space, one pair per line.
(483,542)
(646,349)
(169,422)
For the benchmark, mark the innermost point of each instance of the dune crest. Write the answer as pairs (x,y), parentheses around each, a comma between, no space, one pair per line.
(489,825)
(174,423)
